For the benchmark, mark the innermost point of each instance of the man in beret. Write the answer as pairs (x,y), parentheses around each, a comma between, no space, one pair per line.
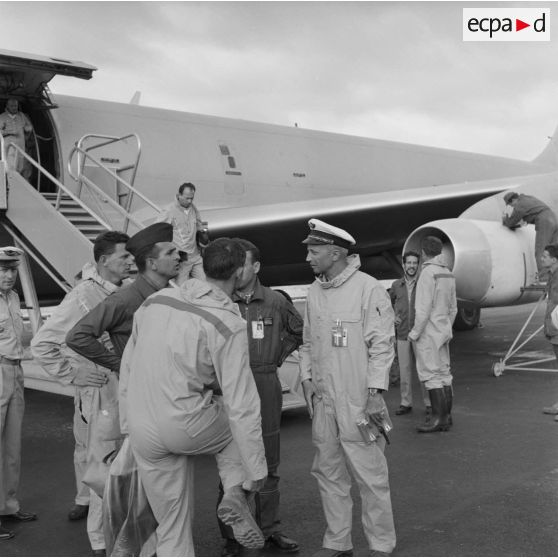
(435,311)
(533,211)
(11,391)
(345,361)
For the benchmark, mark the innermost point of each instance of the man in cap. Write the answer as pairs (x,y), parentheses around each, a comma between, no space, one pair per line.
(187,389)
(16,127)
(157,260)
(11,391)
(345,362)
(188,231)
(274,332)
(435,311)
(532,210)
(112,266)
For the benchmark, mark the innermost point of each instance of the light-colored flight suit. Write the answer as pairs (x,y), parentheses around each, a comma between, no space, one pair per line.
(435,311)
(12,404)
(185,225)
(14,128)
(185,344)
(342,375)
(49,349)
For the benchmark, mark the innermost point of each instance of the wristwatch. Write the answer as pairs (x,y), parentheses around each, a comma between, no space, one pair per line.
(372,391)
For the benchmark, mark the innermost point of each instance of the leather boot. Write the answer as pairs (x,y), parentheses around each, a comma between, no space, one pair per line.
(439,421)
(449,399)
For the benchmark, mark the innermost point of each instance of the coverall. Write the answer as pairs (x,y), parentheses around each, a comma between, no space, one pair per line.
(49,350)
(282,334)
(186,222)
(14,128)
(359,304)
(532,210)
(435,311)
(402,294)
(551,332)
(185,344)
(12,404)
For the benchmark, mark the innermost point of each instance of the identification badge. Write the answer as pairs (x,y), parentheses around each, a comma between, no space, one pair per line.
(257,329)
(339,335)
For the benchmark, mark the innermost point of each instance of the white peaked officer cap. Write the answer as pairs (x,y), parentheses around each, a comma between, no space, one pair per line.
(9,256)
(322,233)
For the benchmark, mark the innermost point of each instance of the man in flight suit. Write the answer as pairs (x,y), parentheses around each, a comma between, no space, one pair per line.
(345,362)
(274,332)
(435,311)
(112,266)
(15,127)
(532,210)
(187,389)
(11,391)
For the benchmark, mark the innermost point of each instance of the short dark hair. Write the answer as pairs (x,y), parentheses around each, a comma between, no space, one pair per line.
(552,250)
(105,243)
(410,253)
(149,252)
(222,257)
(249,247)
(431,245)
(182,187)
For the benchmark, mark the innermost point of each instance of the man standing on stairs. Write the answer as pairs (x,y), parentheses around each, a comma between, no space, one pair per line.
(15,127)
(112,266)
(435,311)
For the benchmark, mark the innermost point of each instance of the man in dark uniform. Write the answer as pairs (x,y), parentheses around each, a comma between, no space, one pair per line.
(157,260)
(532,210)
(274,332)
(12,403)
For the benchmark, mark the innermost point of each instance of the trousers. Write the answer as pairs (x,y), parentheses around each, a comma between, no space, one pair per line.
(433,362)
(407,368)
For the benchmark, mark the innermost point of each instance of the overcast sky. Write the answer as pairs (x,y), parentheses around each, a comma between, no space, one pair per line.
(388,70)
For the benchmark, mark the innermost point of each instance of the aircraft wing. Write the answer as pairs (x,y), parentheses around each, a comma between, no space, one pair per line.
(380,223)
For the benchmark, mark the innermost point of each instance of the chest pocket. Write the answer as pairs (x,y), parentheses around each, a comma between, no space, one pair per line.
(10,326)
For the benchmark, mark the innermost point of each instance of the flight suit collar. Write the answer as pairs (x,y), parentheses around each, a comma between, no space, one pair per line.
(258,293)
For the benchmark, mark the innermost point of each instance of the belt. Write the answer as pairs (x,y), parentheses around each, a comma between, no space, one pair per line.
(12,361)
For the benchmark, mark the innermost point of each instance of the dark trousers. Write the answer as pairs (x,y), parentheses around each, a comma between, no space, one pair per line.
(267,501)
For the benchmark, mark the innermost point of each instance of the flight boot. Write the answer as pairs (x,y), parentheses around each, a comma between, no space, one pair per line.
(439,420)
(449,400)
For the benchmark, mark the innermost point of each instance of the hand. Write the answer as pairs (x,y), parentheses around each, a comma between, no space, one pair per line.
(309,394)
(412,336)
(374,409)
(397,320)
(94,378)
(254,485)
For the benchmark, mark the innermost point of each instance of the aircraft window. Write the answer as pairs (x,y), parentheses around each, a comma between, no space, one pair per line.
(224,150)
(232,163)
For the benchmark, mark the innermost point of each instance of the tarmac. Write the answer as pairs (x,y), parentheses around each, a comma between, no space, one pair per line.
(488,487)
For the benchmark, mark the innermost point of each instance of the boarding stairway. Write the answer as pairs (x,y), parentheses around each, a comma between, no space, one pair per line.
(56,222)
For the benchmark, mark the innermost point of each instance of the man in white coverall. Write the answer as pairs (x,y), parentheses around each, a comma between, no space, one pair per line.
(112,266)
(185,344)
(435,310)
(345,361)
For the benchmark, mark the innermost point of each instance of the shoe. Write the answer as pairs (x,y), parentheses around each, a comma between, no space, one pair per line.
(439,420)
(5,534)
(78,512)
(427,414)
(231,548)
(551,410)
(448,390)
(403,410)
(234,511)
(332,552)
(19,516)
(282,543)
(379,553)
(99,552)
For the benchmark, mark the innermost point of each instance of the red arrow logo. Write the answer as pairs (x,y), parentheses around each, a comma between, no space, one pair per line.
(519,25)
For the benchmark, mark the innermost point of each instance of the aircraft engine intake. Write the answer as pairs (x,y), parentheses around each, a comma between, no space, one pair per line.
(490,262)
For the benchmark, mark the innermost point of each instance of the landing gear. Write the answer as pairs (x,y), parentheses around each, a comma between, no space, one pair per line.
(468,317)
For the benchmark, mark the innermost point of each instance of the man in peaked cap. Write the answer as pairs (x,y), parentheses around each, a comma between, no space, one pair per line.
(533,211)
(11,391)
(345,361)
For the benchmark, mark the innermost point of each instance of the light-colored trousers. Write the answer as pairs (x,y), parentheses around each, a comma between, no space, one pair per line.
(407,368)
(12,407)
(332,461)
(167,474)
(193,267)
(433,362)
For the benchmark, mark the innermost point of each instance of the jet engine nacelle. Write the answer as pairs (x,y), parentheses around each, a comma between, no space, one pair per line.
(491,263)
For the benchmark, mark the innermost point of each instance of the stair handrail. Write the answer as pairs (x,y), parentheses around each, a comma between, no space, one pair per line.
(87,156)
(60,185)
